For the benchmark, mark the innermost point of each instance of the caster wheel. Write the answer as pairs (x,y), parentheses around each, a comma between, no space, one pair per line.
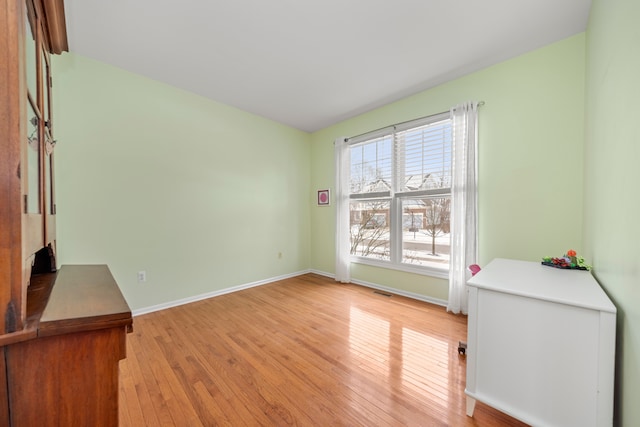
(462,348)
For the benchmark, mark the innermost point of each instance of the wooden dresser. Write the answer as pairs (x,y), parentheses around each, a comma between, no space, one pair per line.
(62,332)
(541,344)
(67,375)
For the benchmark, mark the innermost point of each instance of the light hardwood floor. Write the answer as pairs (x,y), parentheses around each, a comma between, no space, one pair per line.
(304,351)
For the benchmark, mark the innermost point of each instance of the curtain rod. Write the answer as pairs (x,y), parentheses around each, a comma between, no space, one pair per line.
(480,104)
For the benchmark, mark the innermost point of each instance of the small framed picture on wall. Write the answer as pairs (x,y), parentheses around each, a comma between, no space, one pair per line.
(323,198)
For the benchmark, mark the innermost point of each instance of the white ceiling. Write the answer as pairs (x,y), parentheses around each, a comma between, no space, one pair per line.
(310,64)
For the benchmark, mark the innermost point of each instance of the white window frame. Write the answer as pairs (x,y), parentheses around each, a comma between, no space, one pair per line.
(396,196)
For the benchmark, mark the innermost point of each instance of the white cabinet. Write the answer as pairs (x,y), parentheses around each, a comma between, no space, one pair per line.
(541,344)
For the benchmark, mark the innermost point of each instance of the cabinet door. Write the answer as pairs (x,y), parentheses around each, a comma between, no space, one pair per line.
(49,206)
(32,158)
(37,160)
(66,380)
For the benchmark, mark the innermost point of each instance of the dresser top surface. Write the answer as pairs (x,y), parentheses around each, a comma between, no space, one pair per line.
(534,280)
(84,297)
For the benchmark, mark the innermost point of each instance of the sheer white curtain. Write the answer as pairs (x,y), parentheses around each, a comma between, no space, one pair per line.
(464,208)
(343,244)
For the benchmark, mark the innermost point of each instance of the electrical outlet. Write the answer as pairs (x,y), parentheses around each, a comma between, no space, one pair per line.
(142,276)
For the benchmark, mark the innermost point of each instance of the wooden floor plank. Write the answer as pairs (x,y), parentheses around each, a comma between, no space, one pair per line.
(304,351)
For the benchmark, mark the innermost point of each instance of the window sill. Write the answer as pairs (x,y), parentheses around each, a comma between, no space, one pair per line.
(441,273)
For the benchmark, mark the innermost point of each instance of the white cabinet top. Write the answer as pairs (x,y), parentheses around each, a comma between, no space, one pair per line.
(534,280)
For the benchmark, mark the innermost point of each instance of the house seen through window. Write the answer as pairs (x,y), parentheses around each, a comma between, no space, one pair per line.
(400,194)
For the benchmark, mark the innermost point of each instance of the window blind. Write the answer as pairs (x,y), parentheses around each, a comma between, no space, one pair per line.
(423,158)
(412,158)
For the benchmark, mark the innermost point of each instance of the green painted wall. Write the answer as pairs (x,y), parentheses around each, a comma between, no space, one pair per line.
(612,172)
(531,133)
(200,195)
(204,196)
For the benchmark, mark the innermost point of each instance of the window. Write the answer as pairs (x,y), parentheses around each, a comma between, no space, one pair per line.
(400,195)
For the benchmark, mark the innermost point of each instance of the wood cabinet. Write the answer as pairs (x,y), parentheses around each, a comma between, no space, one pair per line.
(67,375)
(62,332)
(29,32)
(541,344)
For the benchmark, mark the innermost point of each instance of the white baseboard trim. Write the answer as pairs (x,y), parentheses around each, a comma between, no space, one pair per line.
(388,289)
(207,295)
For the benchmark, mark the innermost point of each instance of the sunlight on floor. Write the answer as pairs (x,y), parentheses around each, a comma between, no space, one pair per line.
(401,355)
(369,341)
